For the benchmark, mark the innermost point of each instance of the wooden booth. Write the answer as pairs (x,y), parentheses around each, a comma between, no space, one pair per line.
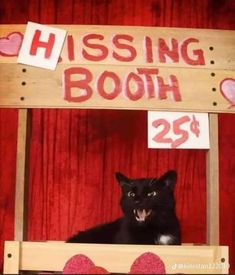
(114,67)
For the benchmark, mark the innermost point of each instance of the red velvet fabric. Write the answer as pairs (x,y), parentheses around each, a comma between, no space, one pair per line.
(74,153)
(227,184)
(8,134)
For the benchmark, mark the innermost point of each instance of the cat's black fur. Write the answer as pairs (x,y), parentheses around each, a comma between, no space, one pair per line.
(149,214)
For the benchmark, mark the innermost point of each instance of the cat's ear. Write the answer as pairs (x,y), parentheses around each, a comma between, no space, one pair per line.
(123,180)
(169,179)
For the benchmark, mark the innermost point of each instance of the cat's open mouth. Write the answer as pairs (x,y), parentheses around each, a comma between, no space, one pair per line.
(141,214)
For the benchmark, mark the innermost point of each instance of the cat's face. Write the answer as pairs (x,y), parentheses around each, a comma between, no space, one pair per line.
(143,199)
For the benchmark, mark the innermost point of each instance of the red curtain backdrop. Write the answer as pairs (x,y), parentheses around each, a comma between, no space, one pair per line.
(227,184)
(74,153)
(8,137)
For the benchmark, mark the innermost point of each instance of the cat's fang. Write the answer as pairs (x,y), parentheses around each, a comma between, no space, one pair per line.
(141,215)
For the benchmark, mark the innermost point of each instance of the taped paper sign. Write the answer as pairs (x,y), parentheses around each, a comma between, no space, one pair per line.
(41,46)
(178,130)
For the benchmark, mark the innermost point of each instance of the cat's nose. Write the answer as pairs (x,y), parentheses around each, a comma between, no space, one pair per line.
(137,200)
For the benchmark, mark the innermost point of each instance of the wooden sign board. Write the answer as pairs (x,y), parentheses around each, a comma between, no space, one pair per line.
(120,67)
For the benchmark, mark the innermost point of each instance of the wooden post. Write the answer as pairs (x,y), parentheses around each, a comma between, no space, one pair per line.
(213,183)
(21,176)
(11,258)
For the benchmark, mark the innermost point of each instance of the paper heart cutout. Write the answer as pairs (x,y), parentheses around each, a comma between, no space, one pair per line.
(81,264)
(227,88)
(78,264)
(148,263)
(10,45)
(98,270)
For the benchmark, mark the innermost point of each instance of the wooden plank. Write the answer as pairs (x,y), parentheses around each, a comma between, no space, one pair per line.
(11,257)
(213,183)
(128,68)
(216,45)
(21,177)
(184,89)
(52,256)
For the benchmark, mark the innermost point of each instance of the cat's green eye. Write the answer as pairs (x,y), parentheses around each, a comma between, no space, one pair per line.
(152,194)
(130,194)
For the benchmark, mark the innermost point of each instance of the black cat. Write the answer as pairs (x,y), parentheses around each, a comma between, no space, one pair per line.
(149,214)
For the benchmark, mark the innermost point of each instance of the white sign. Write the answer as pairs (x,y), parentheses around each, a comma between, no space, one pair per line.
(178,130)
(41,46)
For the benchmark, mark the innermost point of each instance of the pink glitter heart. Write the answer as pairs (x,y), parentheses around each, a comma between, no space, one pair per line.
(10,45)
(78,264)
(227,88)
(148,263)
(98,270)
